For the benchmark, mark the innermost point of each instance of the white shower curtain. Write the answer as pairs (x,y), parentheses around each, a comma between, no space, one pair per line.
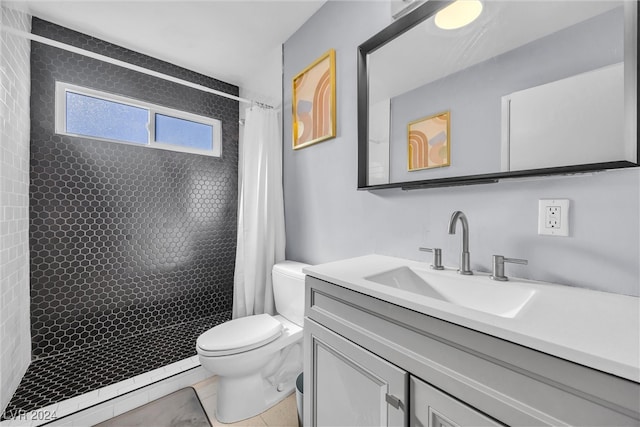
(261,236)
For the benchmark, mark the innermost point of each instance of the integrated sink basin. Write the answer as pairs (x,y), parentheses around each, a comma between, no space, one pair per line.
(474,292)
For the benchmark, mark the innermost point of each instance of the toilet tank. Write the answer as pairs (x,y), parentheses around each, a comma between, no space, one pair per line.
(288,290)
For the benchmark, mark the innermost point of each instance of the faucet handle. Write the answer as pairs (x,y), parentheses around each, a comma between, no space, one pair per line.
(437,257)
(498,266)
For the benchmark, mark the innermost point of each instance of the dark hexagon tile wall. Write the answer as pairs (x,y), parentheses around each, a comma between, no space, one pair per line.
(124,239)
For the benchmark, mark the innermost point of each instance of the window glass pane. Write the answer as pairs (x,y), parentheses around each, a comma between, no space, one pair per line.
(106,119)
(171,130)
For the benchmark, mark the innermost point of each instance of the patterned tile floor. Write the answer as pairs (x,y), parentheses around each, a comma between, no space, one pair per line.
(54,379)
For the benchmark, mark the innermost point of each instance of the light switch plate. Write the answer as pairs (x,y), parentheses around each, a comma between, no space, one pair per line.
(553,217)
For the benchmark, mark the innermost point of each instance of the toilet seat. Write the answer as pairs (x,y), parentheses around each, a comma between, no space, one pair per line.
(239,335)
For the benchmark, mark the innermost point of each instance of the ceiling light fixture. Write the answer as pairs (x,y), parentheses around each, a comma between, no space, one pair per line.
(458,14)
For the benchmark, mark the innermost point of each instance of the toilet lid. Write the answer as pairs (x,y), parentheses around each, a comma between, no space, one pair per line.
(241,334)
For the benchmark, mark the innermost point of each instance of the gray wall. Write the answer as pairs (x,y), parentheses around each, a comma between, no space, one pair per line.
(15,340)
(328,219)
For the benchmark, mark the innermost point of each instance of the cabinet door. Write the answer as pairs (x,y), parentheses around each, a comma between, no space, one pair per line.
(432,408)
(346,385)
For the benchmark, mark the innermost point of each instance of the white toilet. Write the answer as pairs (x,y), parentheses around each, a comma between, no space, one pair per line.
(257,358)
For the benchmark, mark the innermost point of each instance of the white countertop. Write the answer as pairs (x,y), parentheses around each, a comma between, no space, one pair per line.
(596,329)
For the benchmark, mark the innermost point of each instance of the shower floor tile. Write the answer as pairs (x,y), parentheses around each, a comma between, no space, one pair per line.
(54,379)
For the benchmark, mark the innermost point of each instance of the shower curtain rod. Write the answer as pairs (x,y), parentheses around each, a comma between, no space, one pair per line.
(129,66)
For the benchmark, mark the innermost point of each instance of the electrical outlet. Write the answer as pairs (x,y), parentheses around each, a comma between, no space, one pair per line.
(553,217)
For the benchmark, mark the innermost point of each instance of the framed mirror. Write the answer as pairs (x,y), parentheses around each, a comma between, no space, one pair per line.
(524,88)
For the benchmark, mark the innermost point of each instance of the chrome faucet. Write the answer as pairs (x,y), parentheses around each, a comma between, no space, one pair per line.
(464,256)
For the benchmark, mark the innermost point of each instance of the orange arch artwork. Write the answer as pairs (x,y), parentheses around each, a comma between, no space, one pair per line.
(314,102)
(428,145)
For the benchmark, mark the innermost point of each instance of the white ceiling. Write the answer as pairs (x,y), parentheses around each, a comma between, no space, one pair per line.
(234,41)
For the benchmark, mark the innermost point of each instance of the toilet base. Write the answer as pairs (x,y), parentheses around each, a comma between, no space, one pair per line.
(242,398)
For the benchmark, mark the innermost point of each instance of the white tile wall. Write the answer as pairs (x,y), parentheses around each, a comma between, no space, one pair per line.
(15,335)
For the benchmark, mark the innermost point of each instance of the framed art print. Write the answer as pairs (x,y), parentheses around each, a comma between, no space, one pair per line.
(428,142)
(314,102)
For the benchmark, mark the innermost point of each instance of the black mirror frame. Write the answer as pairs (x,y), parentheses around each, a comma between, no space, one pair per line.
(394,30)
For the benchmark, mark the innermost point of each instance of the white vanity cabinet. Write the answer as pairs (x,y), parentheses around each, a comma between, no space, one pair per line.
(371,362)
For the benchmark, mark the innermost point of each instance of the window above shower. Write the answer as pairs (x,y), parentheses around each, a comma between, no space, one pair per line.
(90,113)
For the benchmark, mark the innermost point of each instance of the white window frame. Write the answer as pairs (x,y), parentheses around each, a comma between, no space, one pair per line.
(61,120)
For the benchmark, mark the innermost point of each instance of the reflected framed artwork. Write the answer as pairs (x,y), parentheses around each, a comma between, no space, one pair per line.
(314,102)
(428,142)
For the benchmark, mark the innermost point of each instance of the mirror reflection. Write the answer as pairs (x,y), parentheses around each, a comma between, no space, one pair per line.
(524,85)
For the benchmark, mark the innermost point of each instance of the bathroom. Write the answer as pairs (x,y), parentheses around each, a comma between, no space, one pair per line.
(326,217)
